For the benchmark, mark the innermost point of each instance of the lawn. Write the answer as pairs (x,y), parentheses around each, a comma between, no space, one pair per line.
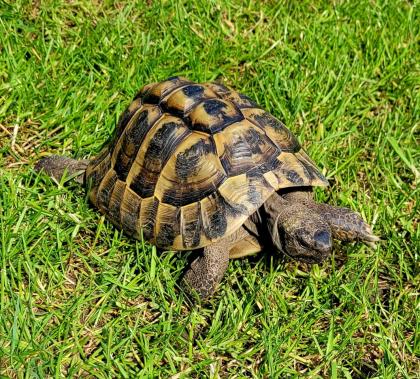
(80,299)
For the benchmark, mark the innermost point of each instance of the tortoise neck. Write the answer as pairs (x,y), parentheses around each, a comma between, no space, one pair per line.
(274,211)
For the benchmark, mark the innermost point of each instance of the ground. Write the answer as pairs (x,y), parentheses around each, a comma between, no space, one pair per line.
(80,299)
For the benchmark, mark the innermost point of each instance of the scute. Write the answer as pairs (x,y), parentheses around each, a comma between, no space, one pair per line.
(218,88)
(193,172)
(242,101)
(213,115)
(274,129)
(183,99)
(105,189)
(147,217)
(130,212)
(243,146)
(189,163)
(191,225)
(153,93)
(114,207)
(242,192)
(132,137)
(125,119)
(167,225)
(157,147)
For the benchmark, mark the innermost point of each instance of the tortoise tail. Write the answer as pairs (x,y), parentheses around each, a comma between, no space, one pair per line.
(58,166)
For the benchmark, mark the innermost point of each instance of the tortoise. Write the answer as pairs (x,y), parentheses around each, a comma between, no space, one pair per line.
(200,166)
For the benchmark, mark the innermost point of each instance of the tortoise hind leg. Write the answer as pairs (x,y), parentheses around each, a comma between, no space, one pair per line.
(56,166)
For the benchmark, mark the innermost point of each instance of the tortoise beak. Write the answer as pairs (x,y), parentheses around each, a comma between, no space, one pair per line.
(322,239)
(323,242)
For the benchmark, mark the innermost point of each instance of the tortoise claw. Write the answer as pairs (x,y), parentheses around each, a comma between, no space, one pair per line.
(369,238)
(372,245)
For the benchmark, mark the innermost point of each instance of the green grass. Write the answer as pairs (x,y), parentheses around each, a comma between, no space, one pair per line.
(78,298)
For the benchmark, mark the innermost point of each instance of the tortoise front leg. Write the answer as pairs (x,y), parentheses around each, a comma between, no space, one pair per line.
(206,272)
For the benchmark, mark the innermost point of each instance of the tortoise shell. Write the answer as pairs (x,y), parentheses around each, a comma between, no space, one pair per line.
(190,162)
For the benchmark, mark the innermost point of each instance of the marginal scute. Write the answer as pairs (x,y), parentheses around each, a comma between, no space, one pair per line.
(191,225)
(167,225)
(125,119)
(144,90)
(189,163)
(271,179)
(311,171)
(105,189)
(293,171)
(95,172)
(235,193)
(97,168)
(219,218)
(147,219)
(217,88)
(134,106)
(242,192)
(214,216)
(114,207)
(242,101)
(130,212)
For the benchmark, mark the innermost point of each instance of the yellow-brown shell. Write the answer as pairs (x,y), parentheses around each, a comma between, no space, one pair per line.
(190,162)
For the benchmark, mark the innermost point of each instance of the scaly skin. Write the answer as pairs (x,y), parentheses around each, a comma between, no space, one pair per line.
(57,166)
(207,270)
(296,230)
(345,224)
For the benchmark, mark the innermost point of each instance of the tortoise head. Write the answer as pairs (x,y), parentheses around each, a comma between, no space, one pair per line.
(300,233)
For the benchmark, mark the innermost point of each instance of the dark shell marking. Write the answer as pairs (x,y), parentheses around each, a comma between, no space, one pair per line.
(192,225)
(160,147)
(105,189)
(130,212)
(187,162)
(190,162)
(274,128)
(213,115)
